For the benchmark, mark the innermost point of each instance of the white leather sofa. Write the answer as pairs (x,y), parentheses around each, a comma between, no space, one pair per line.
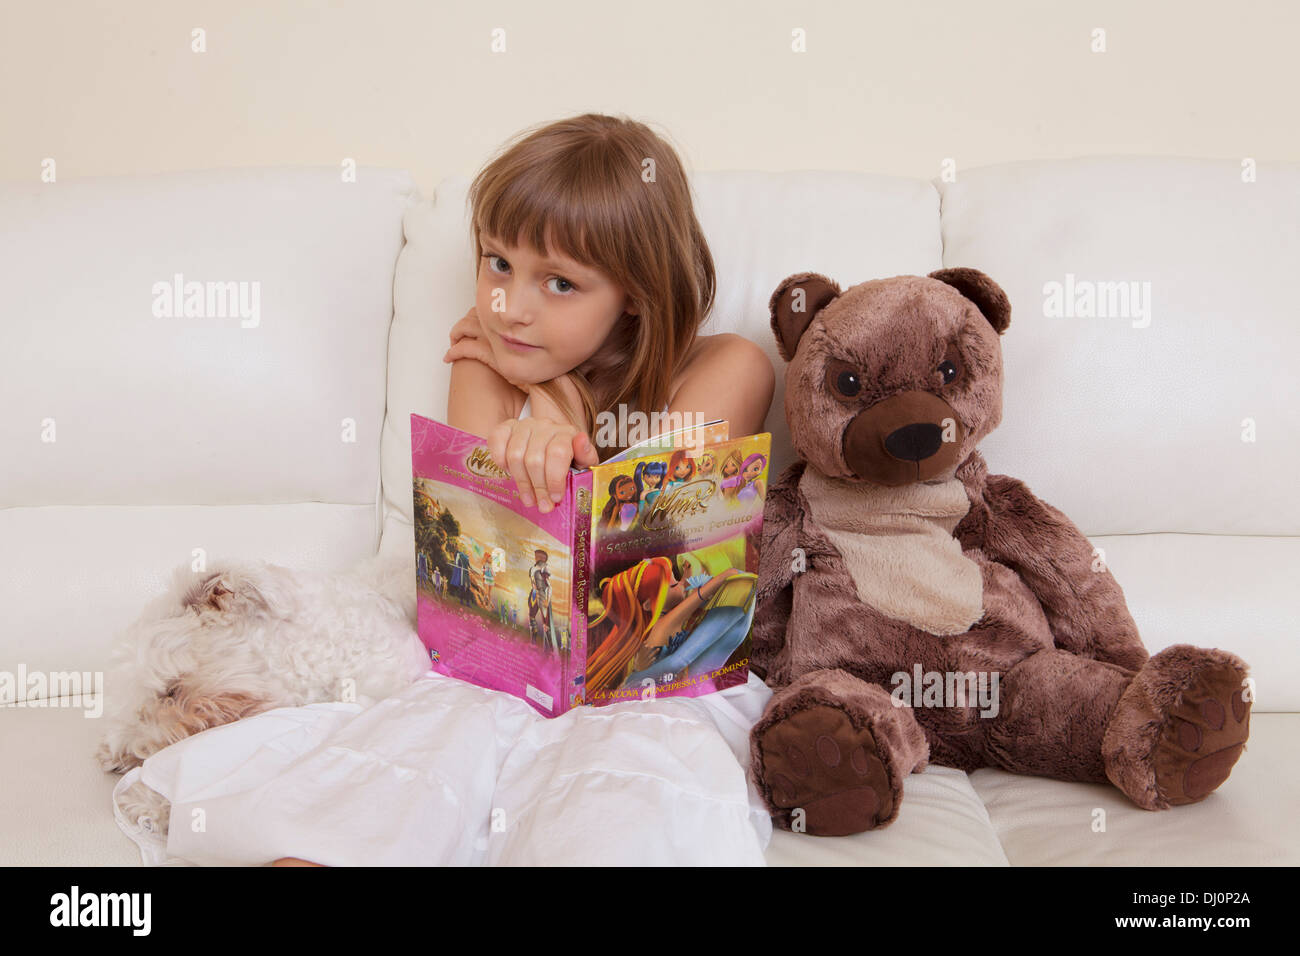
(130,439)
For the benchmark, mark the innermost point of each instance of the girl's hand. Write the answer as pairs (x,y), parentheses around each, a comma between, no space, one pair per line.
(468,341)
(537,453)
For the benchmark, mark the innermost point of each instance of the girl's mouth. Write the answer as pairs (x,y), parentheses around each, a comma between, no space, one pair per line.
(517,346)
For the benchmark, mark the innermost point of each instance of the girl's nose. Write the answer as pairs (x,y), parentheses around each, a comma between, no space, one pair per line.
(520,308)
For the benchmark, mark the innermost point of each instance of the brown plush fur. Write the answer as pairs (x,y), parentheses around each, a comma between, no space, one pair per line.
(875,373)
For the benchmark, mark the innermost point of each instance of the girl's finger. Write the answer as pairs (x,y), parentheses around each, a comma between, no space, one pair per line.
(497,440)
(584,452)
(559,455)
(470,348)
(462,349)
(516,448)
(535,461)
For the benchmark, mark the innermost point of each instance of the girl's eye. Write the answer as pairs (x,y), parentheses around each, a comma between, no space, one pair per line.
(491,257)
(565,291)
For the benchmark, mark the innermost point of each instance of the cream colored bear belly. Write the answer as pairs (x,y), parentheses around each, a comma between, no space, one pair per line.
(897,544)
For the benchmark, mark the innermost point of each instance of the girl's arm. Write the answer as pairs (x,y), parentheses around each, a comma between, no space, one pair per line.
(744,400)
(479,399)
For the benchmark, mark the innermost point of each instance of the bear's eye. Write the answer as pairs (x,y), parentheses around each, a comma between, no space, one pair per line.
(842,379)
(950,367)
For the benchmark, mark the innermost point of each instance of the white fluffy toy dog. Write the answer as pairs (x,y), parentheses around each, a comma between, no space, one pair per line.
(245,637)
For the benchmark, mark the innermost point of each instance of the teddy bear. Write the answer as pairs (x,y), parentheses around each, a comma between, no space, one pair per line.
(891,558)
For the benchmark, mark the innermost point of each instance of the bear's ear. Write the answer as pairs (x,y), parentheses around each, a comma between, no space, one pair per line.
(983,291)
(794,304)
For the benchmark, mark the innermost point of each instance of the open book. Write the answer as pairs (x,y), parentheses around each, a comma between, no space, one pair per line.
(641,582)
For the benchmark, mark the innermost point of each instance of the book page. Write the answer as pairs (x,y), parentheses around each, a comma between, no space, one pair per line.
(675,548)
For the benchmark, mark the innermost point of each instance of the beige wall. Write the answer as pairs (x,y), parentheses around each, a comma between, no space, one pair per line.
(113,87)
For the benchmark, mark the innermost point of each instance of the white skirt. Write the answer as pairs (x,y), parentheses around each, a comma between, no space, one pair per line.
(448,773)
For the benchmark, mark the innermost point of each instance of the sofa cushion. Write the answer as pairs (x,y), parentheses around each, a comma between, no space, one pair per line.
(139,429)
(1136,422)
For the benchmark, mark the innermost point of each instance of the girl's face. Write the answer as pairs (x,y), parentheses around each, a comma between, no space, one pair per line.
(682,470)
(550,314)
(753,471)
(706,464)
(653,479)
(729,468)
(626,490)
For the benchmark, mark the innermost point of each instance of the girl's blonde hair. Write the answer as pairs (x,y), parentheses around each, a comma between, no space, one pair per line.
(611,194)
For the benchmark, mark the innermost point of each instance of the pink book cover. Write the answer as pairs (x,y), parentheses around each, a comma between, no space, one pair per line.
(640,583)
(494,580)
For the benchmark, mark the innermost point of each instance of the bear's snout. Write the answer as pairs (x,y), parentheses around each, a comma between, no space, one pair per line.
(911,436)
(914,442)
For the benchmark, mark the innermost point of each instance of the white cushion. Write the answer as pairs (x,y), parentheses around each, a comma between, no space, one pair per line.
(1127,429)
(1236,592)
(177,433)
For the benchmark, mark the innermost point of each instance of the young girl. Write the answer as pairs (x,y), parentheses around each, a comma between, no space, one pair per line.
(593,281)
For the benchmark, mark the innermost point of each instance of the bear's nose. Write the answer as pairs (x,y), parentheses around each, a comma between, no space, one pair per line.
(914,442)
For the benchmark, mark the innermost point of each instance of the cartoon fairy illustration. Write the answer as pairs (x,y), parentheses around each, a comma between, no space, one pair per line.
(731,479)
(439,582)
(655,624)
(751,486)
(706,464)
(488,578)
(649,478)
(680,469)
(540,622)
(622,507)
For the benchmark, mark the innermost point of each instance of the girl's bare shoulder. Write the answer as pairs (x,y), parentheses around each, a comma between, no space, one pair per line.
(723,353)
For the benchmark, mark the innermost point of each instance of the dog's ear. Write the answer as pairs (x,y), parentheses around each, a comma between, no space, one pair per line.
(206,592)
(794,304)
(227,590)
(983,291)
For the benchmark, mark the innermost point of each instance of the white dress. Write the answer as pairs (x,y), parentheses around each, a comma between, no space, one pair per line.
(448,773)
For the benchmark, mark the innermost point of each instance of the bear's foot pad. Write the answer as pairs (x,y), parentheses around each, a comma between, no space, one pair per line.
(1203,735)
(826,777)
